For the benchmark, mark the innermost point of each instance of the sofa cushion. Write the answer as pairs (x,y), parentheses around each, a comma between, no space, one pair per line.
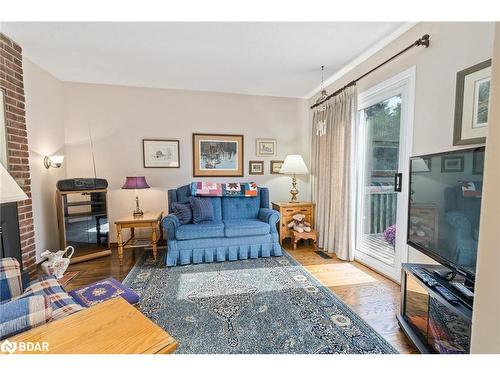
(23,314)
(240,208)
(206,229)
(183,212)
(182,195)
(245,227)
(62,304)
(202,209)
(103,290)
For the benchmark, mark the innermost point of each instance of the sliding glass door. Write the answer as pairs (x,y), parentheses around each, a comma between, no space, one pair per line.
(383,139)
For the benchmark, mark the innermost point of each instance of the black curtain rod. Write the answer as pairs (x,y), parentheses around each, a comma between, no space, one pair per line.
(423,41)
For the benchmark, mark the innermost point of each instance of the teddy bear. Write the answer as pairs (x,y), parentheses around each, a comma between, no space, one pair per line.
(298,223)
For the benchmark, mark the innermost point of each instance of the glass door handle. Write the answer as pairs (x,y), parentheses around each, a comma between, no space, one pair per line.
(398,182)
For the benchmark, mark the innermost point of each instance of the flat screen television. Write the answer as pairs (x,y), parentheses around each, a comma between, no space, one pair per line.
(445,207)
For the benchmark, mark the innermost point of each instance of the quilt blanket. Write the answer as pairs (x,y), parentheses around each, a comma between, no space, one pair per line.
(216,189)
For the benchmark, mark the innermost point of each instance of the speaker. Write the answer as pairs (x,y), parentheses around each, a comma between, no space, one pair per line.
(72,184)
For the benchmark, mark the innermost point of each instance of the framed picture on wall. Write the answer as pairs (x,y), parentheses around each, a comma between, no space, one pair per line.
(217,155)
(472,104)
(161,153)
(452,163)
(265,147)
(255,167)
(276,166)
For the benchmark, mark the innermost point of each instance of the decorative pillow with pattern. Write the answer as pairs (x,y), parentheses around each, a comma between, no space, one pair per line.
(183,212)
(202,209)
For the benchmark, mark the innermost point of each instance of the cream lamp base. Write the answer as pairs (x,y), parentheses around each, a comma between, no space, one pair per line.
(294,191)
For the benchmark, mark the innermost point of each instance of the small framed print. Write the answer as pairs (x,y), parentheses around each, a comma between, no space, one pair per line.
(255,167)
(265,147)
(452,164)
(471,104)
(276,166)
(161,153)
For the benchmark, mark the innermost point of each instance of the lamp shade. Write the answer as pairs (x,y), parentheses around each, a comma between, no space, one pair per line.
(294,164)
(135,183)
(9,189)
(420,165)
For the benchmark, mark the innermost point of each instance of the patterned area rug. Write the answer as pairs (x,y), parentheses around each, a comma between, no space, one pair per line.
(265,305)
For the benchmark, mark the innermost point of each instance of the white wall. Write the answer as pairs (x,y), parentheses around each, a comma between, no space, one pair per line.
(45,128)
(485,322)
(120,117)
(454,46)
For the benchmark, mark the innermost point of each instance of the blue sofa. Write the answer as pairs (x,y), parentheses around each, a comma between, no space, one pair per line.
(243,227)
(462,215)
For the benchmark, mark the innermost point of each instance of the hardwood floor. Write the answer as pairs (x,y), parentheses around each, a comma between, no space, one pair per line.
(372,296)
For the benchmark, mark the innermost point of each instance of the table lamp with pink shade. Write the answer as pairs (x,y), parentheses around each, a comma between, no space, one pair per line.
(136,183)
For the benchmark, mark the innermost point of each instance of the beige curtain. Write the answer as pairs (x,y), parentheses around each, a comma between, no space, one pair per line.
(332,134)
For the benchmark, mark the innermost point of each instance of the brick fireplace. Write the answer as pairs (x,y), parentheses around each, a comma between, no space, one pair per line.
(11,81)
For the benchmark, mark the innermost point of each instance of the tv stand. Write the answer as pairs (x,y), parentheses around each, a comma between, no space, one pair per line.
(434,314)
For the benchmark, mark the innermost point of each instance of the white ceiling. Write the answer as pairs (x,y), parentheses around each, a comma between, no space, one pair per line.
(277,59)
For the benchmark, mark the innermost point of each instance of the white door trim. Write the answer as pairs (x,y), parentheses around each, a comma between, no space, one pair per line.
(404,84)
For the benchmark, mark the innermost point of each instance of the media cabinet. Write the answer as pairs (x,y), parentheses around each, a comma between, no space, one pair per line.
(428,318)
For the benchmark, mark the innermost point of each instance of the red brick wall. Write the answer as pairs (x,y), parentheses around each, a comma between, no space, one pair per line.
(11,81)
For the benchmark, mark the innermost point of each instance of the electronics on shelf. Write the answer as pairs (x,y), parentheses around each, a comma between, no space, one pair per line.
(72,184)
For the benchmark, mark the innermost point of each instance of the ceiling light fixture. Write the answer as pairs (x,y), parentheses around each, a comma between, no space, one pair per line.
(321,122)
(323,94)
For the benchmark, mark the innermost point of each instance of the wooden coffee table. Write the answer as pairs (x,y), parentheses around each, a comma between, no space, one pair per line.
(150,219)
(111,327)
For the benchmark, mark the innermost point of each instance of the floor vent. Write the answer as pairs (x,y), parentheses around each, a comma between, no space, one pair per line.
(322,254)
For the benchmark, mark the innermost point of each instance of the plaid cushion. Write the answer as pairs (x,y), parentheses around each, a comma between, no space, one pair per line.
(62,304)
(22,314)
(10,279)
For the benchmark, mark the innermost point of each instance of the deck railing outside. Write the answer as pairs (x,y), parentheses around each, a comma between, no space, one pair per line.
(382,206)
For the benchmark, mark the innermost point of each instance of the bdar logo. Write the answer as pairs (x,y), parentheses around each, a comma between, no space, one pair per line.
(8,347)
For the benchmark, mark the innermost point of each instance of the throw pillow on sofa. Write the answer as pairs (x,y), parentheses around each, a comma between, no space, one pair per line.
(183,212)
(202,209)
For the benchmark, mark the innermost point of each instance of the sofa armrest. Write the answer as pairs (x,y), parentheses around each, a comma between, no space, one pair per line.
(269,216)
(10,279)
(170,224)
(23,314)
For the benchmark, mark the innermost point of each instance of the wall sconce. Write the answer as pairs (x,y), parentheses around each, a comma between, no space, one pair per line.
(53,161)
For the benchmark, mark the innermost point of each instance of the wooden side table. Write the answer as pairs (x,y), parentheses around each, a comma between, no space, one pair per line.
(287,210)
(150,219)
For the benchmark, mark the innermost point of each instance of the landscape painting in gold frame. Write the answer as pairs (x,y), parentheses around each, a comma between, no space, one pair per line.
(218,155)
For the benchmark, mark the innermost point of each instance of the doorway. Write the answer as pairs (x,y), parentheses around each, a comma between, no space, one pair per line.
(384,139)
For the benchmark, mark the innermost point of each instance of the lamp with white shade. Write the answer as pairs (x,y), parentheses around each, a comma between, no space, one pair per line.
(10,193)
(9,189)
(294,165)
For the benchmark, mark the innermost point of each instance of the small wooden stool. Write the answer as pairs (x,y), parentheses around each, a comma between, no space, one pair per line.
(312,235)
